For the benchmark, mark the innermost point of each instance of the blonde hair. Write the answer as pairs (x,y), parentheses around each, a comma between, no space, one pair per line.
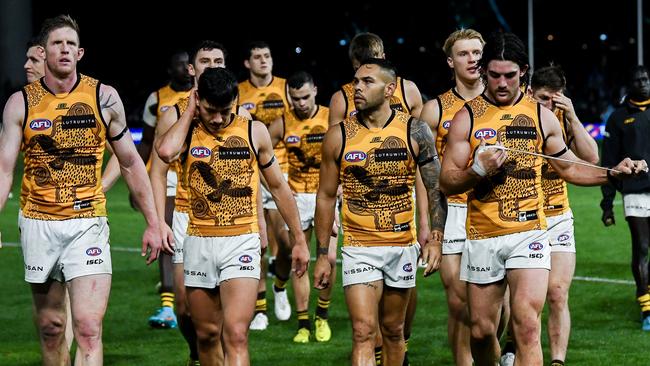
(364,46)
(458,35)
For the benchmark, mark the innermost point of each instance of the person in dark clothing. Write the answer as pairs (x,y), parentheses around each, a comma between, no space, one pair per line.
(627,133)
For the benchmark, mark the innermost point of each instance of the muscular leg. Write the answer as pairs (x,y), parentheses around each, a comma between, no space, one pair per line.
(50,319)
(301,291)
(559,319)
(165,260)
(207,317)
(183,311)
(527,294)
(363,300)
(393,313)
(484,303)
(88,315)
(458,319)
(640,230)
(238,299)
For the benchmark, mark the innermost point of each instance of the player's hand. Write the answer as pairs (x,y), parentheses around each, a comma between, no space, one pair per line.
(300,257)
(608,217)
(151,243)
(432,253)
(488,158)
(167,238)
(564,103)
(322,271)
(628,168)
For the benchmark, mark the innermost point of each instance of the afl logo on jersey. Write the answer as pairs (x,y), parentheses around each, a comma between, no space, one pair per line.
(293,139)
(355,156)
(245,258)
(536,246)
(40,124)
(446,125)
(93,252)
(248,106)
(485,133)
(200,152)
(353,113)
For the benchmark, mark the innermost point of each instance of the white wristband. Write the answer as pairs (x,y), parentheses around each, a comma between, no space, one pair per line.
(476,165)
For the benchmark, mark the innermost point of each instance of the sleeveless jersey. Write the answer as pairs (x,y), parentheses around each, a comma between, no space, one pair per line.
(556,198)
(303,139)
(223,180)
(168,97)
(266,104)
(449,103)
(510,200)
(63,144)
(377,170)
(397,101)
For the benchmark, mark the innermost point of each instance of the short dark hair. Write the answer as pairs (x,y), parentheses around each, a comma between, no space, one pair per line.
(550,77)
(299,78)
(504,46)
(52,24)
(218,86)
(35,41)
(631,74)
(383,64)
(206,45)
(254,45)
(364,46)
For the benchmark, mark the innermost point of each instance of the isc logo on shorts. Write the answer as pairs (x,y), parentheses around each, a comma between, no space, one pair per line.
(40,124)
(248,106)
(200,152)
(408,267)
(355,156)
(536,246)
(93,252)
(485,133)
(245,258)
(446,125)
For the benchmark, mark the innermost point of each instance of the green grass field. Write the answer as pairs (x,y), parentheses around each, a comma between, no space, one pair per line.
(606,325)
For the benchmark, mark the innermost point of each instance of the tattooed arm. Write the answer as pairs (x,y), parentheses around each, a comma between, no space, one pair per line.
(131,165)
(429,166)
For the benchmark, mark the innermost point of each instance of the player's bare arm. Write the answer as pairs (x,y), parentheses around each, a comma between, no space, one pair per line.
(337,108)
(11,135)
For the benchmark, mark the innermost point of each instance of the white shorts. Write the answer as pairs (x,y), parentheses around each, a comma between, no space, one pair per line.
(486,260)
(636,204)
(180,220)
(561,233)
(306,203)
(64,249)
(172,181)
(455,235)
(267,199)
(208,261)
(396,266)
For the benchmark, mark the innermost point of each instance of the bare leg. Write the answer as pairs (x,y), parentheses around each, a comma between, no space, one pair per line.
(207,316)
(50,319)
(238,298)
(559,318)
(458,319)
(393,314)
(484,303)
(363,300)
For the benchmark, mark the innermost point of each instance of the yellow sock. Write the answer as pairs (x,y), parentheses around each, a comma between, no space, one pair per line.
(378,356)
(260,304)
(322,308)
(167,299)
(279,284)
(406,345)
(644,302)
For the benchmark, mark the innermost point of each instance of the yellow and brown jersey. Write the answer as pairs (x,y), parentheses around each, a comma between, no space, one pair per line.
(377,168)
(508,201)
(223,180)
(449,103)
(63,144)
(556,197)
(266,104)
(182,199)
(303,139)
(167,98)
(397,101)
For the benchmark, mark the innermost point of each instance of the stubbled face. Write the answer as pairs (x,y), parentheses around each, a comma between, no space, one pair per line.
(260,63)
(372,87)
(544,96)
(503,79)
(206,59)
(465,54)
(35,64)
(303,100)
(214,118)
(62,51)
(640,86)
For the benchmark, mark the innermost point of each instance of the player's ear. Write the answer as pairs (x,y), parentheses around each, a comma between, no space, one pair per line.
(80,53)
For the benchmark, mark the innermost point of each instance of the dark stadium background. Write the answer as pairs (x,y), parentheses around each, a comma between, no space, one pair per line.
(128,43)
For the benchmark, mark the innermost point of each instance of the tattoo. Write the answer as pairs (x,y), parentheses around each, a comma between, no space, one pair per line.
(106,101)
(430,172)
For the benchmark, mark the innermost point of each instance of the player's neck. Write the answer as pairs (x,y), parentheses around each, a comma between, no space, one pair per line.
(260,81)
(181,85)
(469,89)
(59,84)
(376,117)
